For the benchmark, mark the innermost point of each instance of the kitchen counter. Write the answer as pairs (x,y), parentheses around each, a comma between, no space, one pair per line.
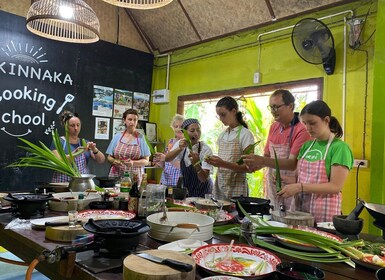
(28,244)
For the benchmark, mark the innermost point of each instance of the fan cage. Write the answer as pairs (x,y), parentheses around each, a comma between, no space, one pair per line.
(139,4)
(298,35)
(43,19)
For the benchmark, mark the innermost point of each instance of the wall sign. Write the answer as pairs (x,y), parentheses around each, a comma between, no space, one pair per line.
(39,78)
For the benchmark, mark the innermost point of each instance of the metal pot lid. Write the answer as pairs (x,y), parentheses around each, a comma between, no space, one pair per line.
(27,197)
(116,227)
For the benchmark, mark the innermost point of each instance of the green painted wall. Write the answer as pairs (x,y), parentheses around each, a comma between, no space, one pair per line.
(378,168)
(230,63)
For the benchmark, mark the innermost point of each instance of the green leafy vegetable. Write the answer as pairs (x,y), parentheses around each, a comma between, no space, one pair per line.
(187,137)
(43,157)
(278,182)
(152,151)
(250,149)
(335,251)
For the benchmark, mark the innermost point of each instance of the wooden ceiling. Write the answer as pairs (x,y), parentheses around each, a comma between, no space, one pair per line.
(184,23)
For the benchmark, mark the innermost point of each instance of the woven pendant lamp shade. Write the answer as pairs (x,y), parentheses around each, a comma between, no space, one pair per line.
(79,25)
(139,4)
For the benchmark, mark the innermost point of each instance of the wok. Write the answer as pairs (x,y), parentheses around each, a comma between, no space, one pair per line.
(107,182)
(377,211)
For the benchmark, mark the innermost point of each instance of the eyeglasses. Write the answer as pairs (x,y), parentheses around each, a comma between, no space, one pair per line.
(275,108)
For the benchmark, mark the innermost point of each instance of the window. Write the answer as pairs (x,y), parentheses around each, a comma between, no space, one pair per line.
(202,107)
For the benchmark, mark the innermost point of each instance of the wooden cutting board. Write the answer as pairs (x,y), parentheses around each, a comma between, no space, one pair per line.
(63,233)
(137,268)
(294,218)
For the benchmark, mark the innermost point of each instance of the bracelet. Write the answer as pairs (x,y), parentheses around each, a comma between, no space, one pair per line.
(97,151)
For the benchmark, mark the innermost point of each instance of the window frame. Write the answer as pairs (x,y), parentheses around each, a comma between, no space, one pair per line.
(249,91)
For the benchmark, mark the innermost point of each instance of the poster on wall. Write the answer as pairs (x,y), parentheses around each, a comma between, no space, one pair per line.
(118,126)
(122,102)
(141,103)
(102,101)
(102,128)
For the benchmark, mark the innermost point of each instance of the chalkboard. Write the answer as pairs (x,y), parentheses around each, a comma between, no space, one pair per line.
(36,75)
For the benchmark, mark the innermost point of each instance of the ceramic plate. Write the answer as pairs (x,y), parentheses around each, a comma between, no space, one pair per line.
(186,246)
(105,214)
(243,257)
(222,277)
(302,246)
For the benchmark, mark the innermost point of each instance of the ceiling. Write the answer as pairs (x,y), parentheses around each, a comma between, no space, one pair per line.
(184,23)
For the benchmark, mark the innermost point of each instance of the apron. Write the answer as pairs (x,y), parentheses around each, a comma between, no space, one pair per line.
(191,181)
(170,174)
(270,190)
(81,163)
(229,183)
(126,151)
(321,206)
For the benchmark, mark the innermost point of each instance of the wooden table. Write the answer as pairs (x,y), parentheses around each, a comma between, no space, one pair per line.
(28,244)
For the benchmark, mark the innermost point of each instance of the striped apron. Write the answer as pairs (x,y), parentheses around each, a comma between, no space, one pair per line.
(81,163)
(191,181)
(321,206)
(229,183)
(124,151)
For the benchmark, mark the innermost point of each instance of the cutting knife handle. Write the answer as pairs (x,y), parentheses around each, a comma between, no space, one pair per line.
(185,267)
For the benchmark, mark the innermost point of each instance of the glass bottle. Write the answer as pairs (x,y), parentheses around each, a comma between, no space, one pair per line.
(134,196)
(125,185)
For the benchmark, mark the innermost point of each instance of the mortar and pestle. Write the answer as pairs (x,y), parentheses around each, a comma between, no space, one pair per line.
(350,226)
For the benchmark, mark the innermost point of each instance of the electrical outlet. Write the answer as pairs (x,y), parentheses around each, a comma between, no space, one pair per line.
(257,77)
(362,162)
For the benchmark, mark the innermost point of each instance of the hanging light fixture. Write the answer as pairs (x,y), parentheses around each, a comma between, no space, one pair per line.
(63,20)
(139,4)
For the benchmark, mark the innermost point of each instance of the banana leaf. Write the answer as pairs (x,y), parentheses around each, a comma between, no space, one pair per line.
(278,182)
(152,150)
(187,137)
(248,150)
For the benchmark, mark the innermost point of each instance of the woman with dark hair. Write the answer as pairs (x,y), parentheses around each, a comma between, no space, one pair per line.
(323,164)
(73,123)
(128,150)
(194,169)
(231,177)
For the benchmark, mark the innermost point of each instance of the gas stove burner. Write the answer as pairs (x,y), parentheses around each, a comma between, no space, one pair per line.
(26,205)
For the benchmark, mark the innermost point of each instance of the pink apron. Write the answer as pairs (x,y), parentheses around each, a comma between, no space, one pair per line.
(321,206)
(229,183)
(126,151)
(283,151)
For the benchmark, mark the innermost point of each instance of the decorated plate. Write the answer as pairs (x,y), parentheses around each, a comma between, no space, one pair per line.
(186,246)
(365,264)
(294,244)
(222,277)
(244,262)
(105,214)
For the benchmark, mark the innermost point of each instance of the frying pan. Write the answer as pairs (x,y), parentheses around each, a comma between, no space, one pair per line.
(377,211)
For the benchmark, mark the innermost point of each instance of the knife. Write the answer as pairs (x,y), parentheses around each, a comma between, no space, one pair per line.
(185,267)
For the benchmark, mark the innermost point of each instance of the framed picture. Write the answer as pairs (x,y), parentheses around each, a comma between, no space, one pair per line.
(151,131)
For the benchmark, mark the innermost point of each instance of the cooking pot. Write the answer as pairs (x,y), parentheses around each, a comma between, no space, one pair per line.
(82,183)
(180,225)
(28,204)
(107,182)
(66,201)
(117,236)
(252,205)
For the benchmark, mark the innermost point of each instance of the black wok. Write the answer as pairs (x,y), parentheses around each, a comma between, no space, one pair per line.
(377,211)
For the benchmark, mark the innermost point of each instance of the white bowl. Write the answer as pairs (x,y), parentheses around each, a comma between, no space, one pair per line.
(181,225)
(69,201)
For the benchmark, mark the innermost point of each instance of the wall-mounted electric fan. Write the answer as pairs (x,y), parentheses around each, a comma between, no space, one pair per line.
(314,43)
